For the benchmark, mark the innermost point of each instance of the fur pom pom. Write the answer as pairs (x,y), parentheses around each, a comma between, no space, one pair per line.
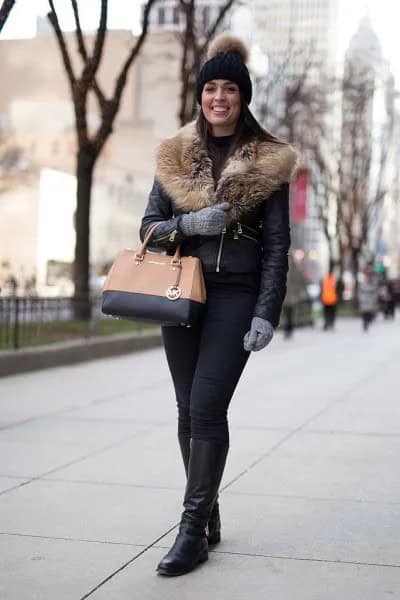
(227,43)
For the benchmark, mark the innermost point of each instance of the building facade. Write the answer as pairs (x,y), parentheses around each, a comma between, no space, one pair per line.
(168,15)
(366,144)
(36,111)
(286,27)
(300,40)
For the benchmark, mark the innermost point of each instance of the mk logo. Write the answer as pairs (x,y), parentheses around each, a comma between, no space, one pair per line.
(174,292)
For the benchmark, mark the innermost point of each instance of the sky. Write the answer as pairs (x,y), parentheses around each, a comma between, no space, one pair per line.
(384,14)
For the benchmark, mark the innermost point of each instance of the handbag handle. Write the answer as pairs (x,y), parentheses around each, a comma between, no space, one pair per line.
(176,259)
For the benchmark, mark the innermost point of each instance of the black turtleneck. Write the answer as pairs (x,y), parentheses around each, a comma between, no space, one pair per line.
(218,148)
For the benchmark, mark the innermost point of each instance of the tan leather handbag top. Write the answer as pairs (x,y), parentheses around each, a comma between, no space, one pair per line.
(143,272)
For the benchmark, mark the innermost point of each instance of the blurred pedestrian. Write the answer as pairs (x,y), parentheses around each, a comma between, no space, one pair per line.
(386,300)
(329,298)
(221,191)
(30,286)
(12,284)
(368,293)
(296,294)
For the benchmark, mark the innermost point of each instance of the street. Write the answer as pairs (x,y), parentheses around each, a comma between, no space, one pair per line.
(91,480)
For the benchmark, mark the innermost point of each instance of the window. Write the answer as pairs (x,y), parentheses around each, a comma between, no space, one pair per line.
(206,16)
(175,15)
(161,15)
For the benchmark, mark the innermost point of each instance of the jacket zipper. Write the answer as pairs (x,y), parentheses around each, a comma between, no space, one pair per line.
(169,236)
(239,233)
(221,243)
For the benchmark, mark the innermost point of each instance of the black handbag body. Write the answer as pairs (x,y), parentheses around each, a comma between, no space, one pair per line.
(155,288)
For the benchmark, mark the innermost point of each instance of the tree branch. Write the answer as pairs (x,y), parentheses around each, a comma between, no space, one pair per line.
(83,52)
(5,11)
(78,32)
(100,39)
(135,50)
(78,91)
(187,60)
(193,53)
(53,18)
(210,34)
(112,105)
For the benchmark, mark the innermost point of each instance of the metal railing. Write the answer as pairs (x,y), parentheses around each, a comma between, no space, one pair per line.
(303,313)
(30,321)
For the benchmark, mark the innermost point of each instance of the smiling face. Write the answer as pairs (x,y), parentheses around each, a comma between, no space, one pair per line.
(221,104)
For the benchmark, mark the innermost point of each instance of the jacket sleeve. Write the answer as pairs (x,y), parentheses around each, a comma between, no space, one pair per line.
(274,262)
(159,210)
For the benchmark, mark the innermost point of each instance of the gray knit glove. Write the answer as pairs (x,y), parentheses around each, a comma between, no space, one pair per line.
(260,334)
(206,221)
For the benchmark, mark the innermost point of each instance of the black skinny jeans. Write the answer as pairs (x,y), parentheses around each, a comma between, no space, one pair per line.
(207,360)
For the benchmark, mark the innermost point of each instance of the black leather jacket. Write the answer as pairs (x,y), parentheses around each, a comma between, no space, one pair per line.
(259,243)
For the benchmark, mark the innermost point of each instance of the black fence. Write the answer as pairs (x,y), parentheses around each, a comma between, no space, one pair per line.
(302,314)
(31,321)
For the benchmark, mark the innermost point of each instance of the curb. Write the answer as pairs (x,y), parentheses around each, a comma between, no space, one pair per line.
(24,360)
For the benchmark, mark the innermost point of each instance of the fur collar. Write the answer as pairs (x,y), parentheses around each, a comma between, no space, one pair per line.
(250,175)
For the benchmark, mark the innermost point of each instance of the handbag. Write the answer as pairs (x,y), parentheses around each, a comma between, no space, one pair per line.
(148,286)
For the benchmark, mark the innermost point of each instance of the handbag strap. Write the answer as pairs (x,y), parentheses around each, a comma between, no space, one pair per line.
(176,259)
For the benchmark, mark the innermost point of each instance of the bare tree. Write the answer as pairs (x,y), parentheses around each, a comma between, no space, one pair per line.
(349,167)
(330,120)
(288,96)
(91,144)
(324,153)
(325,180)
(195,39)
(363,161)
(294,101)
(5,10)
(384,142)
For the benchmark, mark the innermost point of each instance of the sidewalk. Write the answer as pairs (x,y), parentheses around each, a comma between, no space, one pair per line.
(91,481)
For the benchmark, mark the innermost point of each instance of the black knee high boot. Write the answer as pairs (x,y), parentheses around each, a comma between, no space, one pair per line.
(206,466)
(214,522)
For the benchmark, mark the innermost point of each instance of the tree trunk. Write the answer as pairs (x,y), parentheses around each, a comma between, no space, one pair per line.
(341,267)
(331,254)
(84,174)
(355,256)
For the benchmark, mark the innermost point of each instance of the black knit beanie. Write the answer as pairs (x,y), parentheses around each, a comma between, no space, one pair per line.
(227,56)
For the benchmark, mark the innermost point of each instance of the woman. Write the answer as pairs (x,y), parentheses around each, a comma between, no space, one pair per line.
(221,191)
(368,293)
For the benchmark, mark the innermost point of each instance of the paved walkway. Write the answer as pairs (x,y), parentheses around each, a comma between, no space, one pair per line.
(91,481)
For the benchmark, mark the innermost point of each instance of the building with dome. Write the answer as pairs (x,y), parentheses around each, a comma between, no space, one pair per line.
(367,108)
(364,46)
